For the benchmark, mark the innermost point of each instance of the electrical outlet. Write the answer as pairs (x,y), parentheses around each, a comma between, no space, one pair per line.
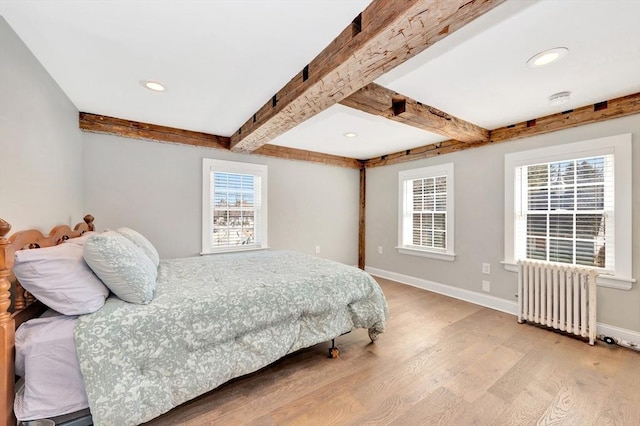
(317,249)
(486,286)
(379,249)
(486,268)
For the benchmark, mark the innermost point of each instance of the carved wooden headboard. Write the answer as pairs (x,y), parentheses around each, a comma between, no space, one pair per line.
(24,307)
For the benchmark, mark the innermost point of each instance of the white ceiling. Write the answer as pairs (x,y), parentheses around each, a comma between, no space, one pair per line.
(221,60)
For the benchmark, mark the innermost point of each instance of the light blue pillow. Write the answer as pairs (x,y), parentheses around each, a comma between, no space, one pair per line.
(138,239)
(122,266)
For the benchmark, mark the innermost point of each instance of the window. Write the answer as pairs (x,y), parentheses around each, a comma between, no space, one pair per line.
(426,212)
(234,206)
(564,212)
(571,204)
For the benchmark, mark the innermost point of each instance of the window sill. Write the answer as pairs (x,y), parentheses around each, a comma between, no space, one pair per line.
(233,250)
(449,257)
(609,281)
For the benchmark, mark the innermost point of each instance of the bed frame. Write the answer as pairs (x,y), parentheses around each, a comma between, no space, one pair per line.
(17,305)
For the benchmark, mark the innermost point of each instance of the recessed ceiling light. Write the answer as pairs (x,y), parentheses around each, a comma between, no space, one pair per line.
(547,57)
(152,85)
(559,98)
(350,135)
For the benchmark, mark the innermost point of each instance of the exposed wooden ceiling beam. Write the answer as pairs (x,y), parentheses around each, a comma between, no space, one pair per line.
(302,155)
(601,111)
(135,130)
(614,108)
(384,35)
(419,153)
(378,100)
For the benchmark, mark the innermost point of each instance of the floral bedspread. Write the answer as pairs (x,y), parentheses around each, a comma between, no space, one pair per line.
(215,318)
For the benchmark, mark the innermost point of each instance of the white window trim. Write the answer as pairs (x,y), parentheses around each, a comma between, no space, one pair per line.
(224,166)
(620,146)
(447,254)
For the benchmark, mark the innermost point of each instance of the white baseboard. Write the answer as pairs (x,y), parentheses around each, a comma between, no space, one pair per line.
(623,336)
(447,290)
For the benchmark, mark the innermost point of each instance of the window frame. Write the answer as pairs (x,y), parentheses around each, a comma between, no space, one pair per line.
(210,165)
(620,147)
(404,212)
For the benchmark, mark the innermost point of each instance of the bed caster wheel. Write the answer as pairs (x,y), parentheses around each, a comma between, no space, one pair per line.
(334,352)
(374,334)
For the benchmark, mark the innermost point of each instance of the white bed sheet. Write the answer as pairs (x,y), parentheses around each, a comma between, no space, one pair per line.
(46,359)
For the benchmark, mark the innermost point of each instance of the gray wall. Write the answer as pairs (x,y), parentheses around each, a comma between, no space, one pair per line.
(40,143)
(479,221)
(156,188)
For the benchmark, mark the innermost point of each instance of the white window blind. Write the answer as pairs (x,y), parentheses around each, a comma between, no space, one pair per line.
(565,212)
(426,212)
(234,206)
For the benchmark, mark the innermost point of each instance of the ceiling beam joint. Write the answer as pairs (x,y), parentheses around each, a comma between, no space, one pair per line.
(377,100)
(386,34)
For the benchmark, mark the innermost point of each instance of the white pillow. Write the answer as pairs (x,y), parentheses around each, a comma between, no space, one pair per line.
(46,358)
(139,240)
(81,239)
(59,277)
(122,266)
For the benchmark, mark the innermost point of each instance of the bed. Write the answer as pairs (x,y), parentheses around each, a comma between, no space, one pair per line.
(192,325)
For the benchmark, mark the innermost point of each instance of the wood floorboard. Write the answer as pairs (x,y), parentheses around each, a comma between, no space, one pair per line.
(441,361)
(526,408)
(437,408)
(485,410)
(619,409)
(509,386)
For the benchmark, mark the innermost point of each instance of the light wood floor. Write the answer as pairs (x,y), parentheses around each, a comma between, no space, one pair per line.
(441,361)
